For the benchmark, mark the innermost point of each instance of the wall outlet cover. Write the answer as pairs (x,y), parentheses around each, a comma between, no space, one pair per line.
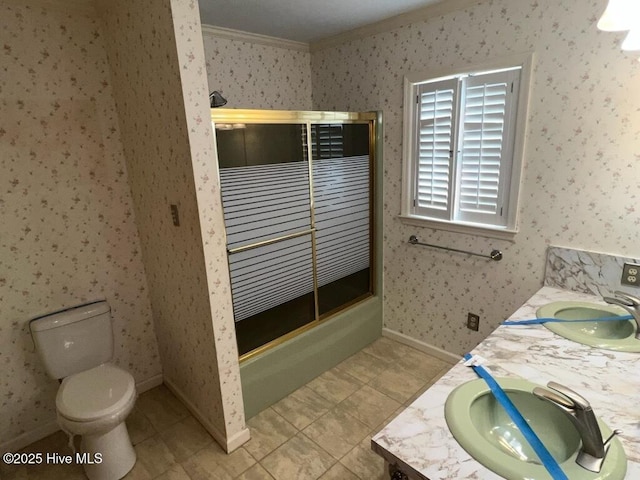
(473,321)
(631,275)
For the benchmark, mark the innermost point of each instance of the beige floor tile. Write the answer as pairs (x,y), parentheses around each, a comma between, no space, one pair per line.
(421,365)
(426,386)
(387,420)
(363,366)
(161,407)
(337,432)
(299,458)
(138,472)
(257,472)
(176,472)
(334,385)
(387,350)
(268,431)
(369,406)
(55,443)
(154,455)
(44,471)
(364,463)
(139,426)
(13,472)
(397,383)
(213,463)
(302,407)
(339,472)
(185,438)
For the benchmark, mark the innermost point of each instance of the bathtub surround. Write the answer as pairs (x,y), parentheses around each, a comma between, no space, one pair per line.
(68,226)
(162,100)
(582,150)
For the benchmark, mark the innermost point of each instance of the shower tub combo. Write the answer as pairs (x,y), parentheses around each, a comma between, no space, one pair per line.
(301,209)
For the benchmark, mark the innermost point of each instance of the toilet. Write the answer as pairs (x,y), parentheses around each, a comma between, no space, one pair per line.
(95,397)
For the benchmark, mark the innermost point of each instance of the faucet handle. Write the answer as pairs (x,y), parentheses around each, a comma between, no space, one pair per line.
(577,400)
(633,301)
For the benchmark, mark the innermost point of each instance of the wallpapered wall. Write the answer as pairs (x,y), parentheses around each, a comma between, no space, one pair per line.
(195,92)
(68,232)
(251,75)
(582,171)
(156,134)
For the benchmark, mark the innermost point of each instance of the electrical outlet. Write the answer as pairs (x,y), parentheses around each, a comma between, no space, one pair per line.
(631,274)
(174,215)
(473,321)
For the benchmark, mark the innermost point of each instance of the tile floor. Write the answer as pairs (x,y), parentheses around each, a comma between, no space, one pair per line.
(320,431)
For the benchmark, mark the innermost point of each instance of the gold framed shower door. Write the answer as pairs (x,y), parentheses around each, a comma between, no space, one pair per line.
(222,117)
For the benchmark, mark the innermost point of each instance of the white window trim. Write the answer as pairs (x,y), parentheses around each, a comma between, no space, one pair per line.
(525,61)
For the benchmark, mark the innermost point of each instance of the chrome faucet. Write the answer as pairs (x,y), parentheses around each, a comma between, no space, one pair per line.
(594,449)
(630,304)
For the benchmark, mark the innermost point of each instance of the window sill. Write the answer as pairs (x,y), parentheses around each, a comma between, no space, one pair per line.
(465,228)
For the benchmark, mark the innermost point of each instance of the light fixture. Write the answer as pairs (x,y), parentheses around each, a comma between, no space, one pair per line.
(623,15)
(618,17)
(216,99)
(632,40)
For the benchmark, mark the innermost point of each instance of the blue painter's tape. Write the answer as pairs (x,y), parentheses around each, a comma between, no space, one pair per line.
(543,454)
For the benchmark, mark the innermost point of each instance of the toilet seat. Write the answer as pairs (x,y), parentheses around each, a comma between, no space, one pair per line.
(96,393)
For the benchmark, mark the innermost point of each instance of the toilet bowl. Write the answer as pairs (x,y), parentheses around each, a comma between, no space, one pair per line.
(95,397)
(94,404)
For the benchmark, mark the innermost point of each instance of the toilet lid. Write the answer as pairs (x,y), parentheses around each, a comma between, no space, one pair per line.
(95,393)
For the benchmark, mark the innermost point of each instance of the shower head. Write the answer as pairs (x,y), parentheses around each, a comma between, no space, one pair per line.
(216,99)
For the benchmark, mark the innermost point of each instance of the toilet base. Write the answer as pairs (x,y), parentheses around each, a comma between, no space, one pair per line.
(116,450)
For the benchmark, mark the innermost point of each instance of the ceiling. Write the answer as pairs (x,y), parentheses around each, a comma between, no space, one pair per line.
(302,20)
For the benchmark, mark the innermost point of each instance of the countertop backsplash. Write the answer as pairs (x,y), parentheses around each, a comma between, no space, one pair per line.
(586,272)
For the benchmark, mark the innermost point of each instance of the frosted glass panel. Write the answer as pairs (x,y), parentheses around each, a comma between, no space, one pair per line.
(265,188)
(264,277)
(342,198)
(265,201)
(341,193)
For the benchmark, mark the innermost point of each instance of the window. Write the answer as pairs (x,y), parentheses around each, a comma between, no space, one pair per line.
(463,147)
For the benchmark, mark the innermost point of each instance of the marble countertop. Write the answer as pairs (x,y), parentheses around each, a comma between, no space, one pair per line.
(420,443)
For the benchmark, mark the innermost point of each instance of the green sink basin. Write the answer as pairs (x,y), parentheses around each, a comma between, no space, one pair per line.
(482,427)
(617,335)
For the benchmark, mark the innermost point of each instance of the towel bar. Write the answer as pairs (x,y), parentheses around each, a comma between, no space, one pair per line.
(494,255)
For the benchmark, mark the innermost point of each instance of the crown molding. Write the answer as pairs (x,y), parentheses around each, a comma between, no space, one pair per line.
(231,34)
(443,7)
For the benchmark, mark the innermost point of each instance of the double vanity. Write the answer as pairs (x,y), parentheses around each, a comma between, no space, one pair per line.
(425,441)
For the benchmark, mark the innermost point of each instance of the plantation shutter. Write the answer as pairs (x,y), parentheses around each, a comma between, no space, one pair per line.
(488,109)
(327,141)
(435,145)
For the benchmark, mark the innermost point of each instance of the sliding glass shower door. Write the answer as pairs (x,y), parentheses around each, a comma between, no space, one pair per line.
(297,207)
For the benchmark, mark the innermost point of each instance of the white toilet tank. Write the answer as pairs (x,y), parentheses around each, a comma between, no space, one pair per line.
(75,339)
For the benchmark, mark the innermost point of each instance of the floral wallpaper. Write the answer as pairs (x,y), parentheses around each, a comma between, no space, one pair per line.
(166,134)
(582,159)
(68,224)
(205,172)
(252,75)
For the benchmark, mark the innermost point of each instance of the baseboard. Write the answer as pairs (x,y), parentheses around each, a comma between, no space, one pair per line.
(29,437)
(238,439)
(51,426)
(422,346)
(228,444)
(149,383)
